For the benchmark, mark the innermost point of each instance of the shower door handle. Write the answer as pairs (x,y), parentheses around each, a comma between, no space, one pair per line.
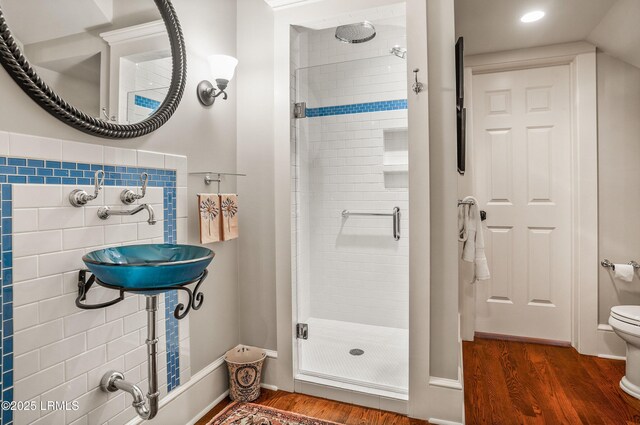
(396,223)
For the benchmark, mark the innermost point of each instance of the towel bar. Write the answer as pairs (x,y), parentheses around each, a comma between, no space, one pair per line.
(395,214)
(483,213)
(208,179)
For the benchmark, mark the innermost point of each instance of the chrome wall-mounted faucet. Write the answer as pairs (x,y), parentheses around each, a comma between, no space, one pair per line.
(79,198)
(106,212)
(128,196)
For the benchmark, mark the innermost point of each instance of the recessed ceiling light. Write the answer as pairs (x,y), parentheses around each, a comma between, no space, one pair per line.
(532,16)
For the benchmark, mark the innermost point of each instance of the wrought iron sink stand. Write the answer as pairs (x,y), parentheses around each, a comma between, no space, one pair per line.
(113,381)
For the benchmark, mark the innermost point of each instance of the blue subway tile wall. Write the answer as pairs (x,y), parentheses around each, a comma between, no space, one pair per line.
(22,170)
(145,102)
(357,108)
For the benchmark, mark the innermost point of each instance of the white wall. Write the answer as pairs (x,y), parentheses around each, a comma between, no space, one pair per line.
(257,286)
(619,174)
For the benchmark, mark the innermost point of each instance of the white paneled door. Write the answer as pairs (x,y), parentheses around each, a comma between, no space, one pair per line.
(522,141)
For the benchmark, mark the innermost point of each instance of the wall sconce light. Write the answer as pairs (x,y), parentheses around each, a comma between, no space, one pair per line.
(222,69)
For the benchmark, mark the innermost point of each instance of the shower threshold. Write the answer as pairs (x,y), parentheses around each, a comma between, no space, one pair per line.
(332,381)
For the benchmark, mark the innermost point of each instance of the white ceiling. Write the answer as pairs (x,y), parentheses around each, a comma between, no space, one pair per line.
(494,25)
(619,32)
(276,4)
(33,21)
(393,14)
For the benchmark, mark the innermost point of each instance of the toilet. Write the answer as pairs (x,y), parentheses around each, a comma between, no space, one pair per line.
(625,321)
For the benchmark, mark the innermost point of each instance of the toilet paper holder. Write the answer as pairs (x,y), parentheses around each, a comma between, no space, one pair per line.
(609,265)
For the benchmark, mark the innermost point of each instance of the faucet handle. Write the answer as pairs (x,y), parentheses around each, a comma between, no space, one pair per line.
(98,182)
(128,196)
(79,198)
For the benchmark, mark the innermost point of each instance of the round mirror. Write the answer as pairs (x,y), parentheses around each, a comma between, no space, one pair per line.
(111,68)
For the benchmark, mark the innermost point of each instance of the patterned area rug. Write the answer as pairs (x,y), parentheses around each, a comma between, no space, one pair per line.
(253,414)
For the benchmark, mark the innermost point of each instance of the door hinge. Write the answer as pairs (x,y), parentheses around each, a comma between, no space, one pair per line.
(300,110)
(302,331)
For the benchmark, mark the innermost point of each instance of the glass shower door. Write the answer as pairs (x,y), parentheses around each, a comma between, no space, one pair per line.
(350,215)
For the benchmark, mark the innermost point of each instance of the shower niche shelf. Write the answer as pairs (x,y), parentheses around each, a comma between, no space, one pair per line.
(395,163)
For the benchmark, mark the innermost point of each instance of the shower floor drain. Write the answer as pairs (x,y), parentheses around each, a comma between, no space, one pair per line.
(356,352)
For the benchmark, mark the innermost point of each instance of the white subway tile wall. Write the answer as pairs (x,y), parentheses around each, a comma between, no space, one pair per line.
(351,269)
(146,87)
(61,352)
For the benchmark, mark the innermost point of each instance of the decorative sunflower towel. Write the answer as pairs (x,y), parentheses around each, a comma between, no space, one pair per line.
(209,206)
(229,212)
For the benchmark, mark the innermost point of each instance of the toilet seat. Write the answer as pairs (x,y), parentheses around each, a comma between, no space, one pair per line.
(629,314)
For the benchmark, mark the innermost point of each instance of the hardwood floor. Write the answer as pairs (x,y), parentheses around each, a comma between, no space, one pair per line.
(519,383)
(506,383)
(322,409)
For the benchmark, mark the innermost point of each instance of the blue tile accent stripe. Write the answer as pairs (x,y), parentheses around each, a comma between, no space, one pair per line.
(145,102)
(171,298)
(357,108)
(22,170)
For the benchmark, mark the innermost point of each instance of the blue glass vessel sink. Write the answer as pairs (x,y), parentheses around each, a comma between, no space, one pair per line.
(148,266)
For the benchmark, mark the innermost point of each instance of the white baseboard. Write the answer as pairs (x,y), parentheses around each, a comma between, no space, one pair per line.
(437,421)
(452,384)
(612,357)
(208,408)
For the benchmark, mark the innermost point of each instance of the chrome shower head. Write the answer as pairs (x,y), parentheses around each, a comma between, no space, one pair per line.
(398,51)
(356,33)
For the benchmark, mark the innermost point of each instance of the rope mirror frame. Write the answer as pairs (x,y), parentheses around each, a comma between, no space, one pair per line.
(18,67)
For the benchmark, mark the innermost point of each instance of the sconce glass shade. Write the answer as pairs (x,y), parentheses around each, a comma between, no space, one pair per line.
(223,67)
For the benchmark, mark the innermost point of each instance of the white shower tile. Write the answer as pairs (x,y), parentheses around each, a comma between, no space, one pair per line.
(25,244)
(60,262)
(30,291)
(178,163)
(26,365)
(36,337)
(82,152)
(150,159)
(35,147)
(32,196)
(86,361)
(120,233)
(82,321)
(25,316)
(69,391)
(62,350)
(4,143)
(120,156)
(38,383)
(83,237)
(25,220)
(60,218)
(103,334)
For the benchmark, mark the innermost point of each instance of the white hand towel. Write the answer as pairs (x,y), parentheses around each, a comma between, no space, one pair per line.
(473,249)
(624,272)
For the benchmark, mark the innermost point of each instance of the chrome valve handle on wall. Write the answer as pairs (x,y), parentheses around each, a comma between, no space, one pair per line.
(80,198)
(128,196)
